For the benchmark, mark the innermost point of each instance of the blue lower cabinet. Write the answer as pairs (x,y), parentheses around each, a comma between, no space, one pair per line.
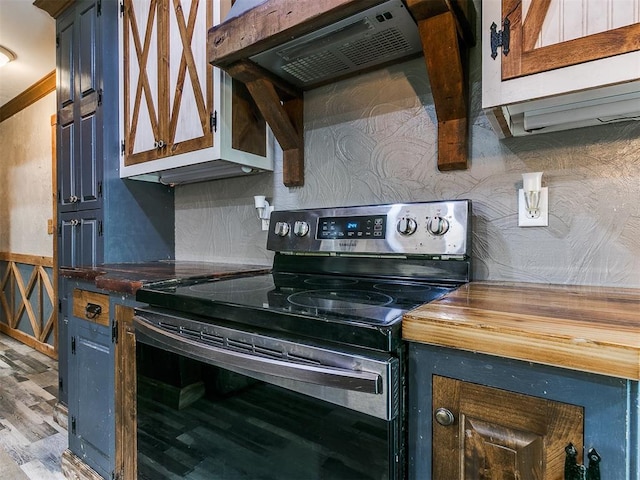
(98,383)
(478,416)
(91,420)
(91,371)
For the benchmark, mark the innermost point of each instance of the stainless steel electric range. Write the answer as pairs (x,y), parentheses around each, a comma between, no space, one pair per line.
(301,370)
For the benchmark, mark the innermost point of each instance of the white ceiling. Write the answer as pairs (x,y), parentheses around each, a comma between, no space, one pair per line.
(30,33)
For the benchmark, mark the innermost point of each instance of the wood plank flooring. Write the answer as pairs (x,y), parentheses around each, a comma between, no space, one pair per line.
(31,442)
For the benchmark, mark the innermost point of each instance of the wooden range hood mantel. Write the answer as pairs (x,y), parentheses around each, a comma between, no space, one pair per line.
(445,32)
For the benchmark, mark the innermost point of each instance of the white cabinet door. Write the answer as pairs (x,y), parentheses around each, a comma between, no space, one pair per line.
(141,53)
(184,120)
(580,50)
(168,84)
(190,77)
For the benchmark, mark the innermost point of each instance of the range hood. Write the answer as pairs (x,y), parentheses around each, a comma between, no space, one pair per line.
(280,48)
(376,36)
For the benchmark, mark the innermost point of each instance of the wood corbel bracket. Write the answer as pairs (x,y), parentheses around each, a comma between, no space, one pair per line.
(268,24)
(446,33)
(282,106)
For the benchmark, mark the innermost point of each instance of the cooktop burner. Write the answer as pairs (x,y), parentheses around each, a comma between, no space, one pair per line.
(337,301)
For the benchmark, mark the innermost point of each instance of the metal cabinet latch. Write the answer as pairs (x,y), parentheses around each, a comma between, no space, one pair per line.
(573,471)
(500,38)
(92,310)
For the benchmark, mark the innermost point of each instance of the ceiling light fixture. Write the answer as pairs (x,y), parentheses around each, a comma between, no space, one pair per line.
(6,56)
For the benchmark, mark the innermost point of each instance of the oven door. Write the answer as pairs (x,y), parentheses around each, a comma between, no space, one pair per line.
(264,407)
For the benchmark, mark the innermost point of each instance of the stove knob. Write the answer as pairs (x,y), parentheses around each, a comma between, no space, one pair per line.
(301,228)
(281,229)
(407,226)
(437,226)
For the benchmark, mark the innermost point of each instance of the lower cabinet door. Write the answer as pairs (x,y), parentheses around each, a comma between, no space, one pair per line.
(481,432)
(91,394)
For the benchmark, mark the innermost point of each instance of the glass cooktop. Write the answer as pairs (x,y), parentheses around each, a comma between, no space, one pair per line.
(327,297)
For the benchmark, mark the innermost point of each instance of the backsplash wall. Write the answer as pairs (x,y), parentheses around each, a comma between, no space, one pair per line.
(372,139)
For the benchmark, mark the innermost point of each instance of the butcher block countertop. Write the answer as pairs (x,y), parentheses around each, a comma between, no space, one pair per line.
(591,329)
(130,277)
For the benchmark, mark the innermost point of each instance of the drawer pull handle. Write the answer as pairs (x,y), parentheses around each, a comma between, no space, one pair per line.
(92,310)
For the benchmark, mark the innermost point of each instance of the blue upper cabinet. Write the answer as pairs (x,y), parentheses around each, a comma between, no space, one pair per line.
(80,152)
(103,219)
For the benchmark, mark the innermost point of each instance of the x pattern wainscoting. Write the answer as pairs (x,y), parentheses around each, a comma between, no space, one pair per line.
(31,442)
(28,300)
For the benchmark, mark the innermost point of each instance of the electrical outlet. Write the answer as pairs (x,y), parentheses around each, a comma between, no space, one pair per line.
(524,219)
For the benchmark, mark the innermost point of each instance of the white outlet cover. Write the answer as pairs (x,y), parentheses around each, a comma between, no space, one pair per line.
(543,219)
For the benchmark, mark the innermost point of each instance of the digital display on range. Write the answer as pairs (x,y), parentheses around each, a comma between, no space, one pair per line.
(370,227)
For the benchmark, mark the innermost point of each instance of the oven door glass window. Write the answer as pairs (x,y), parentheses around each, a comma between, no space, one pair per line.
(198,421)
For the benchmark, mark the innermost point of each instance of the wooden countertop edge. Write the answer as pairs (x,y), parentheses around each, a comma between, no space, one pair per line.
(585,328)
(129,281)
(561,328)
(574,354)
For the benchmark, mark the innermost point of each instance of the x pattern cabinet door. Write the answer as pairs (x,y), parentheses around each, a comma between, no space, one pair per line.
(550,34)
(168,84)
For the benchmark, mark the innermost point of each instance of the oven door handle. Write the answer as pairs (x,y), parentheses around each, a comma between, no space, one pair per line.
(359,381)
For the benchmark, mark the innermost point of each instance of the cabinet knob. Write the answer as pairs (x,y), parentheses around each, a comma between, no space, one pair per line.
(444,416)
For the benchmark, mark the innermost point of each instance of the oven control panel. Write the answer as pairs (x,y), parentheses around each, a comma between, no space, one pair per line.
(334,228)
(434,229)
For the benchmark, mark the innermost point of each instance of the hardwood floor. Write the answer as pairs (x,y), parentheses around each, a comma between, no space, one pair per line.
(31,442)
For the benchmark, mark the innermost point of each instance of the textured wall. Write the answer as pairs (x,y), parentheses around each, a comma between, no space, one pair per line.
(373,140)
(25,186)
